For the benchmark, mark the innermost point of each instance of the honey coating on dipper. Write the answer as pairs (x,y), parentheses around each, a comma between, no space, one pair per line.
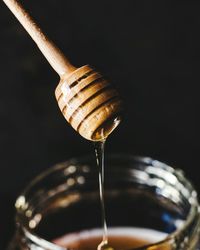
(86,99)
(89,103)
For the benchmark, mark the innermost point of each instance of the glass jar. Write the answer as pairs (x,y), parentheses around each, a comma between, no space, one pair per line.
(139,192)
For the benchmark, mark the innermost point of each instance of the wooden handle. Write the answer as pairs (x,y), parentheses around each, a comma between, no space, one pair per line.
(53,55)
(86,99)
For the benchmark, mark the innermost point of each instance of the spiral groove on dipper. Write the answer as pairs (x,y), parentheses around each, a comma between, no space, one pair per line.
(86,99)
(88,103)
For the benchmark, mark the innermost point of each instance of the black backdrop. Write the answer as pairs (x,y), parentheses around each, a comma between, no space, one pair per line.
(148,49)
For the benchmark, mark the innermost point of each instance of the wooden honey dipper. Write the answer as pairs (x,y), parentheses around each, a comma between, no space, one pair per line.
(86,99)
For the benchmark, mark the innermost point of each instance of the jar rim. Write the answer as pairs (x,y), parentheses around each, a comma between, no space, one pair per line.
(171,238)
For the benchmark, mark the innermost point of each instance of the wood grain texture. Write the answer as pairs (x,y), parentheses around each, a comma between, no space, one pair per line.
(86,100)
(51,52)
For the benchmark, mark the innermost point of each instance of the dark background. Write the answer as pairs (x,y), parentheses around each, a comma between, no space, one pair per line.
(148,49)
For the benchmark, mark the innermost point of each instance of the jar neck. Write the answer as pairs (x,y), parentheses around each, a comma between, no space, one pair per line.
(126,171)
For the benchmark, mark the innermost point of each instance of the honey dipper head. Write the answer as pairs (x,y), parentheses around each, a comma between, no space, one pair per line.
(89,103)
